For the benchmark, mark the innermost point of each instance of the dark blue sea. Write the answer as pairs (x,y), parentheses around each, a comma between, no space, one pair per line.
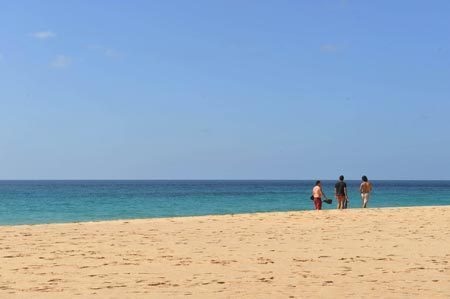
(32,202)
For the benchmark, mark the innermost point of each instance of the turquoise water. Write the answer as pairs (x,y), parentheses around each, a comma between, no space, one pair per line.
(32,202)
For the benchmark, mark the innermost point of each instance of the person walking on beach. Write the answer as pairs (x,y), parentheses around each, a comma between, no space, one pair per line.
(365,189)
(317,194)
(340,191)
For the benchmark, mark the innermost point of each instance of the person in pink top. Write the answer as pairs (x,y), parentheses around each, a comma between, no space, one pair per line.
(317,194)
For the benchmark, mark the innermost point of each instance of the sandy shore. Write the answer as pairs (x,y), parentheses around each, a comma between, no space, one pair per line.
(389,253)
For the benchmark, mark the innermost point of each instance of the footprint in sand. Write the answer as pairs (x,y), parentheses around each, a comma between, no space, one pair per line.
(264,261)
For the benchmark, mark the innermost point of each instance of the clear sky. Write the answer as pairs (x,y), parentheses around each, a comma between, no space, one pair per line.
(224,89)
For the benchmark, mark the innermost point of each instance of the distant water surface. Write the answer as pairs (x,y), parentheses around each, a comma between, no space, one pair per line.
(32,202)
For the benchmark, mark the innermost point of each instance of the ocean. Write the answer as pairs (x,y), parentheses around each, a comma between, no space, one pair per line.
(34,202)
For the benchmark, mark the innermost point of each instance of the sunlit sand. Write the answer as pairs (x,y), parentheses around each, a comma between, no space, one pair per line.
(389,253)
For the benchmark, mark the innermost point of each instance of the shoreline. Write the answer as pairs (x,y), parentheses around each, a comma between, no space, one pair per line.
(216,215)
(355,253)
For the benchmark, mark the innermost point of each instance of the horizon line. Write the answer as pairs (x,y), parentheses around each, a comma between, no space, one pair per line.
(247,179)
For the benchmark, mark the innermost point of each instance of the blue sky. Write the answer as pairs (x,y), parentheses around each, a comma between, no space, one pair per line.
(224,89)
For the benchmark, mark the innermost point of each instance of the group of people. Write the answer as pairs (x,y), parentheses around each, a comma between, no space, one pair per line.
(340,192)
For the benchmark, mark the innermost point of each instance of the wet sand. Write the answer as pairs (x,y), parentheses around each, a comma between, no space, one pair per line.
(388,253)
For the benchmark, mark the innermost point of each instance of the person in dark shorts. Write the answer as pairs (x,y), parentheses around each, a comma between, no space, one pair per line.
(340,191)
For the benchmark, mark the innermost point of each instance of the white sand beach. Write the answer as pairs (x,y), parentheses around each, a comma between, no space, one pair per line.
(388,253)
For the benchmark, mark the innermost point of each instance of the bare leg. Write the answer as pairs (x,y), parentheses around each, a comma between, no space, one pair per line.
(340,203)
(366,200)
